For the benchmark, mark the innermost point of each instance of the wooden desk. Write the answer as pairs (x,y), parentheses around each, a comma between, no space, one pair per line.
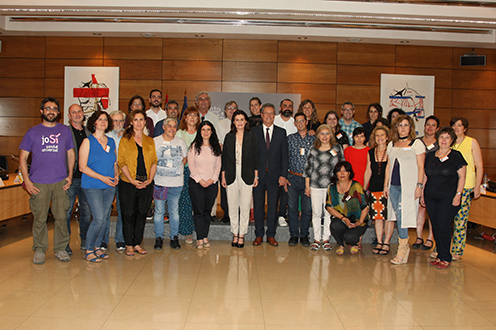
(14,200)
(483,210)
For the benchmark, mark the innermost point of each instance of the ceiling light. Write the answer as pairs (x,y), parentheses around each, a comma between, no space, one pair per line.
(199,35)
(147,35)
(97,34)
(302,38)
(404,42)
(354,39)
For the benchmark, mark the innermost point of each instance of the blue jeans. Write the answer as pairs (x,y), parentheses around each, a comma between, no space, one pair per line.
(395,197)
(173,194)
(296,191)
(119,238)
(84,208)
(100,201)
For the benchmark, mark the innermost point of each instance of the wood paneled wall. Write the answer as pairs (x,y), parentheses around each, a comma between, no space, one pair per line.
(327,73)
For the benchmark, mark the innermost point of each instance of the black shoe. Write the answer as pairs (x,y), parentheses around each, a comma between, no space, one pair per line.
(213,219)
(174,243)
(68,250)
(120,246)
(241,242)
(293,241)
(103,246)
(225,220)
(305,241)
(158,243)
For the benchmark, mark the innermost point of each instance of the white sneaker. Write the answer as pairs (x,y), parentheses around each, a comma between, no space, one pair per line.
(282,222)
(39,258)
(62,256)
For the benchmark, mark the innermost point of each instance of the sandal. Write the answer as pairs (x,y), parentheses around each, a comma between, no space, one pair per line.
(383,251)
(95,259)
(101,255)
(425,247)
(188,239)
(340,250)
(129,251)
(234,242)
(377,249)
(206,243)
(417,245)
(315,245)
(199,245)
(354,249)
(241,242)
(140,250)
(327,246)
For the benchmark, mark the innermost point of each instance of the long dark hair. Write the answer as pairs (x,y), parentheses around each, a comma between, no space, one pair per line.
(129,132)
(213,140)
(238,113)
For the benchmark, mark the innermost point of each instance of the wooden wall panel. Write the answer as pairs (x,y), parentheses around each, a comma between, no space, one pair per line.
(488,157)
(306,73)
(318,93)
(22,87)
(54,88)
(248,87)
(22,68)
(139,70)
(306,52)
(55,68)
(249,71)
(424,57)
(358,95)
(485,137)
(176,88)
(361,75)
(249,50)
(472,79)
(490,59)
(443,77)
(23,47)
(480,118)
(444,115)
(20,107)
(128,88)
(192,70)
(132,48)
(192,49)
(17,126)
(468,99)
(442,98)
(10,146)
(366,54)
(74,47)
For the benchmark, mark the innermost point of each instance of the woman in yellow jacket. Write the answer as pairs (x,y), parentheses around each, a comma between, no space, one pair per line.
(138,164)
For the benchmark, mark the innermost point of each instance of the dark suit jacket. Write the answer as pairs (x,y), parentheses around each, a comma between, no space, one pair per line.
(277,156)
(249,160)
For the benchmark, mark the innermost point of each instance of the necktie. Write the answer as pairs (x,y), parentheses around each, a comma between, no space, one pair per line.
(267,139)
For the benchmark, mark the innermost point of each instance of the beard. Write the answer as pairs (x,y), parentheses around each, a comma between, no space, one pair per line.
(118,130)
(287,113)
(48,119)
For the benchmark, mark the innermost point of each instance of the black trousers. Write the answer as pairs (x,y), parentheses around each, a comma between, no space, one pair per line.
(223,198)
(272,190)
(342,234)
(442,213)
(134,207)
(202,200)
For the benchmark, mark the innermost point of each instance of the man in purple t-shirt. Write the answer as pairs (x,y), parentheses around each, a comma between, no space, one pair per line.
(49,177)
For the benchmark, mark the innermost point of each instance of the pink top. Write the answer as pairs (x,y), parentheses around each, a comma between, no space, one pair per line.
(205,165)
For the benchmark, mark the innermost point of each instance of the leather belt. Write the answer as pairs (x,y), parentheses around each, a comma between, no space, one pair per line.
(294,173)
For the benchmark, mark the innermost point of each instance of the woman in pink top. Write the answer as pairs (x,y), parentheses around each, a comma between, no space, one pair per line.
(204,159)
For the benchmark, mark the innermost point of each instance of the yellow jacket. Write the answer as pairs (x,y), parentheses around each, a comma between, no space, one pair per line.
(128,155)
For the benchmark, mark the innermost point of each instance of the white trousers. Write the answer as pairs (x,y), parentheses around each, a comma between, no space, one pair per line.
(318,198)
(239,196)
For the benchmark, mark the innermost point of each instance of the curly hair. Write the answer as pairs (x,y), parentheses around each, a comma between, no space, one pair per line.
(372,142)
(213,140)
(447,130)
(313,116)
(94,117)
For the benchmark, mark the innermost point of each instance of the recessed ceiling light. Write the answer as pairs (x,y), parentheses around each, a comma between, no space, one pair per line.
(147,35)
(303,38)
(354,39)
(404,41)
(97,34)
(199,35)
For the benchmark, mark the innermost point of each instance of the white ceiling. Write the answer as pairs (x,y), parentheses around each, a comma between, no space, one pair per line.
(417,22)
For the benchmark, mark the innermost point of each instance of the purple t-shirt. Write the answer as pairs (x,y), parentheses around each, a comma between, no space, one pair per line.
(48,146)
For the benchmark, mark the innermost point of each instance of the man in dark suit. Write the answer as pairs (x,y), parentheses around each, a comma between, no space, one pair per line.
(273,171)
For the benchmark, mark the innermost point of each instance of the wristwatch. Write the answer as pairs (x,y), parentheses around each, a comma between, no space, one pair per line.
(420,185)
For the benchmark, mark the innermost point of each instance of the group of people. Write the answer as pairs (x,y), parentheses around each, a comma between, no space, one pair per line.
(338,176)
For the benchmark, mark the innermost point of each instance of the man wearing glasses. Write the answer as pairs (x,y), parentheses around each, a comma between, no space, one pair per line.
(348,124)
(48,179)
(79,133)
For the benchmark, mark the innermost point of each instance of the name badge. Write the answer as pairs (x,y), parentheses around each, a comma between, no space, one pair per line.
(430,147)
(339,136)
(445,158)
(107,148)
(407,148)
(347,198)
(302,151)
(333,153)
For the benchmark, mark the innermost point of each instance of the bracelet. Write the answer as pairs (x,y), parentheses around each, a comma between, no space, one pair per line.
(420,185)
(257,177)
(458,193)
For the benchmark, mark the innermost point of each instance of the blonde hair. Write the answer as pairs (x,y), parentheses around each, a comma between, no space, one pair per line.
(317,144)
(373,144)
(394,128)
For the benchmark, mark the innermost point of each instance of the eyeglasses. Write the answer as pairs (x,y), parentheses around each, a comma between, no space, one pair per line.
(118,120)
(137,104)
(403,125)
(55,109)
(232,108)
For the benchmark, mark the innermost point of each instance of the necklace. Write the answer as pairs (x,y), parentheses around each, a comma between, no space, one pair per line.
(380,161)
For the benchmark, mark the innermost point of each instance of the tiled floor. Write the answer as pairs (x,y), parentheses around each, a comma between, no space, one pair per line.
(252,288)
